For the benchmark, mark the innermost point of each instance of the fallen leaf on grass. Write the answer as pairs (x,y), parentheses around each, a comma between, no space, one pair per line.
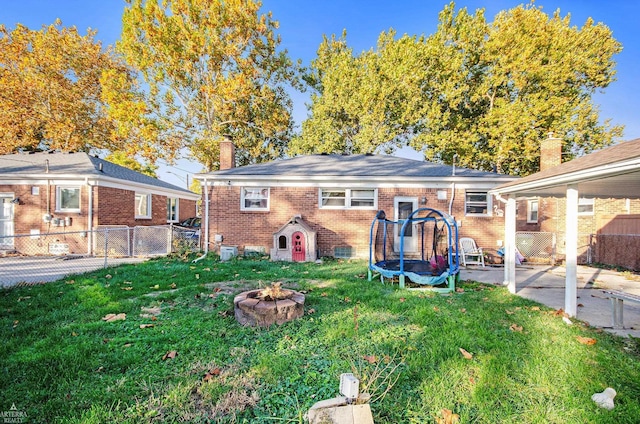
(211,373)
(114,317)
(535,308)
(173,285)
(347,299)
(74,334)
(559,313)
(586,340)
(324,294)
(435,308)
(15,323)
(515,327)
(448,417)
(463,310)
(126,288)
(108,276)
(402,299)
(466,354)
(156,287)
(509,312)
(126,345)
(146,325)
(311,311)
(169,355)
(370,359)
(459,290)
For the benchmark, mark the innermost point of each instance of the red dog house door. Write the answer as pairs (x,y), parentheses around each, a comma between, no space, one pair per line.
(298,253)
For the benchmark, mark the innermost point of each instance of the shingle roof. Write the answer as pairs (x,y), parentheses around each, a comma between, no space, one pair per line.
(352,166)
(74,164)
(618,153)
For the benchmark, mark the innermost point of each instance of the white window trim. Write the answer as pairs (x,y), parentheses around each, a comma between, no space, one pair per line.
(149,204)
(529,210)
(242,199)
(59,207)
(583,201)
(489,203)
(347,199)
(177,218)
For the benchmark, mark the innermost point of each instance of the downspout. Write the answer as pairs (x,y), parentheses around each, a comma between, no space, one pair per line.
(453,184)
(206,222)
(89,217)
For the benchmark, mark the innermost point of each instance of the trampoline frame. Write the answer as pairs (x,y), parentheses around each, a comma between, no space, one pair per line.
(405,267)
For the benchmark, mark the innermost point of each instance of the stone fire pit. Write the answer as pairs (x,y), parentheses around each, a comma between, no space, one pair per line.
(271,305)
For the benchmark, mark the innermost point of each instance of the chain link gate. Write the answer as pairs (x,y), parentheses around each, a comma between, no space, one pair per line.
(537,247)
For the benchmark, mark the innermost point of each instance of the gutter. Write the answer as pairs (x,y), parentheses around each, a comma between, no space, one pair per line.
(206,222)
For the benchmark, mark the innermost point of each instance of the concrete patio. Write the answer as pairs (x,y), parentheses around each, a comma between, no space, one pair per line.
(546,284)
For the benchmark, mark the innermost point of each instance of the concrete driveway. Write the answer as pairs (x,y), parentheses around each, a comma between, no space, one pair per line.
(546,284)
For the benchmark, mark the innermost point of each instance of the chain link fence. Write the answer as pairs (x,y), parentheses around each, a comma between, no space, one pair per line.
(42,257)
(537,247)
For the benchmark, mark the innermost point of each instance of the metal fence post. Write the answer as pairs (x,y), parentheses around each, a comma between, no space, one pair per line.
(106,246)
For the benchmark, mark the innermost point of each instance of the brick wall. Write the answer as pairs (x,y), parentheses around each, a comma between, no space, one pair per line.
(335,228)
(110,207)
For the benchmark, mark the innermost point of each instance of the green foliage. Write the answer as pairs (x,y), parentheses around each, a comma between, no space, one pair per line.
(213,70)
(53,91)
(486,92)
(63,363)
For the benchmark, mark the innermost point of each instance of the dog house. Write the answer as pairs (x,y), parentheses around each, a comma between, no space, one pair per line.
(295,241)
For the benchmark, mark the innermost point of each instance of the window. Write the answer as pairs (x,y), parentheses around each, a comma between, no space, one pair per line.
(172,209)
(282,242)
(532,211)
(477,203)
(68,199)
(344,252)
(585,206)
(143,205)
(348,198)
(255,199)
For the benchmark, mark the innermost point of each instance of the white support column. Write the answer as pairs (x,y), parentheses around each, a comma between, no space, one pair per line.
(571,251)
(510,244)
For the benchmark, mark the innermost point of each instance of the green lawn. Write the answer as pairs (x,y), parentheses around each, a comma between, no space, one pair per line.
(61,362)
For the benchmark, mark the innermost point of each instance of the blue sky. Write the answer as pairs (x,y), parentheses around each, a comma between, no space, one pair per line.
(303,23)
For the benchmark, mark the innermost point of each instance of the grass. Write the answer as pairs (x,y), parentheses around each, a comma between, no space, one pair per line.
(62,363)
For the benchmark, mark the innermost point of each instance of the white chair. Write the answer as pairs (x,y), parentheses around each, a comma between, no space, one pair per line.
(470,253)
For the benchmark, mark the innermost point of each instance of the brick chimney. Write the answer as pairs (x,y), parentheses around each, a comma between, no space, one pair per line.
(550,152)
(227,154)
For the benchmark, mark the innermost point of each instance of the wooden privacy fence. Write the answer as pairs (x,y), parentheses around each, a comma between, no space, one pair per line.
(617,241)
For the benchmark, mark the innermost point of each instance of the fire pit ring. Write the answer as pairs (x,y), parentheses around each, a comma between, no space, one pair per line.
(257,308)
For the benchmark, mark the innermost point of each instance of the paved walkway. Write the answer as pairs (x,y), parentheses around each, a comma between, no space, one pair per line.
(546,284)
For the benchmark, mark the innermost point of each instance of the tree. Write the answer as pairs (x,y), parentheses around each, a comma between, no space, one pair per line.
(213,70)
(365,103)
(51,90)
(484,92)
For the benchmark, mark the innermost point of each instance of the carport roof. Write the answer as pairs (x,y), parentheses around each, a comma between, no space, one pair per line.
(610,172)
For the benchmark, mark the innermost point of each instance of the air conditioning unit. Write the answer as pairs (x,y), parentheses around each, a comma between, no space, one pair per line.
(228,252)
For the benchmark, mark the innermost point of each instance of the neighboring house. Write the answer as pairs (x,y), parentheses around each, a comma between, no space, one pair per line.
(76,193)
(598,213)
(337,197)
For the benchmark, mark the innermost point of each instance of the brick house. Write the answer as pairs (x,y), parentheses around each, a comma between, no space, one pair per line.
(75,192)
(595,212)
(337,196)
